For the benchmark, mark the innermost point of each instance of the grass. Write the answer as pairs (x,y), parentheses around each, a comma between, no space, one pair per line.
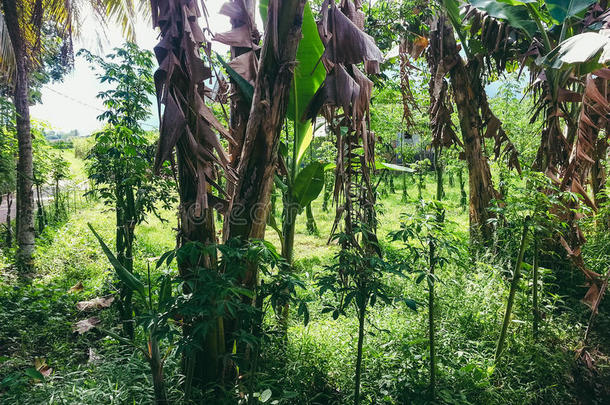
(316,367)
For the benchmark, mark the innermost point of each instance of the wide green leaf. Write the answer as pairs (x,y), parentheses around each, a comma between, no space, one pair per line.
(304,136)
(561,10)
(308,77)
(516,15)
(122,273)
(308,184)
(589,50)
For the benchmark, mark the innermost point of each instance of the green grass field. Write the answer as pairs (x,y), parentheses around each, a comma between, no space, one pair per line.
(317,365)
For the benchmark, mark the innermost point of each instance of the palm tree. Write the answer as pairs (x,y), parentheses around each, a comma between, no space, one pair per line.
(23,21)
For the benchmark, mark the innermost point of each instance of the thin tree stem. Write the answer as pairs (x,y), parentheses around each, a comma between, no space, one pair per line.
(513,289)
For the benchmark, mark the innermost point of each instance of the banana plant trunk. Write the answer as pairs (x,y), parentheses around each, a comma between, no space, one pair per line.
(203,366)
(25,166)
(290,214)
(312,227)
(249,204)
(466,85)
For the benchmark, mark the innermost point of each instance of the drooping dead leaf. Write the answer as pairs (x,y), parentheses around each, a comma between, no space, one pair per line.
(76,287)
(85,325)
(344,42)
(95,303)
(417,47)
(246,66)
(344,100)
(239,37)
(186,122)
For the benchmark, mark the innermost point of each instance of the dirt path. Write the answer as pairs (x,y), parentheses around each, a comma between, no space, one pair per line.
(47,196)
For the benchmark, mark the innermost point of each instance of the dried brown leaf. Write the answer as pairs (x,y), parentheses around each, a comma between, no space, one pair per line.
(86,325)
(95,303)
(76,287)
(344,42)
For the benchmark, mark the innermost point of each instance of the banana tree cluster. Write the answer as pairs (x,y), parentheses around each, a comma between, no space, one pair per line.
(566,46)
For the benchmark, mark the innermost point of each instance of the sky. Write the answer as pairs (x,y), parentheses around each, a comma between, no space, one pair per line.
(72,103)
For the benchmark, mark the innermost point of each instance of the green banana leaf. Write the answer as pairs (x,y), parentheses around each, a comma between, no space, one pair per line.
(393,167)
(561,10)
(589,50)
(308,77)
(517,15)
(308,184)
(243,84)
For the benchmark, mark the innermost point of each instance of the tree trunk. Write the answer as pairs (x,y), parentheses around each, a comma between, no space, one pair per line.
(129,224)
(466,85)
(440,190)
(289,220)
(40,212)
(463,195)
(249,204)
(240,105)
(202,366)
(183,39)
(248,208)
(56,199)
(121,243)
(329,183)
(25,195)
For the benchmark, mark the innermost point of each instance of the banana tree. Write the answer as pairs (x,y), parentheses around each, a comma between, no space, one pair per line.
(445,58)
(568,54)
(299,186)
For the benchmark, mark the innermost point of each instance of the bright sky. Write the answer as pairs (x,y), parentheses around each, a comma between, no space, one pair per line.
(72,104)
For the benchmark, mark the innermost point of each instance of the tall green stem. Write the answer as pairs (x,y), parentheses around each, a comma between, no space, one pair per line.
(536,310)
(361,319)
(431,321)
(513,289)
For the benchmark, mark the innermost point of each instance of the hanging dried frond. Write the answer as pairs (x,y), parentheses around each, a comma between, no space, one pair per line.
(594,117)
(499,42)
(243,39)
(407,49)
(345,43)
(344,99)
(187,124)
(439,63)
(493,130)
